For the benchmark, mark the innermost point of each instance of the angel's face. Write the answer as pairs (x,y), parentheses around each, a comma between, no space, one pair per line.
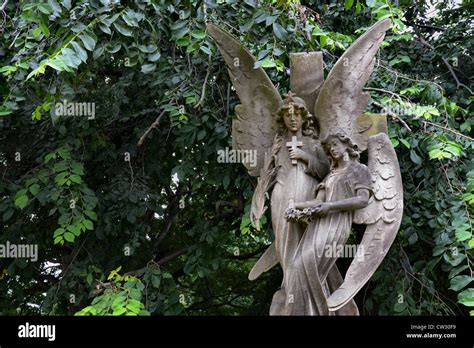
(293,118)
(337,148)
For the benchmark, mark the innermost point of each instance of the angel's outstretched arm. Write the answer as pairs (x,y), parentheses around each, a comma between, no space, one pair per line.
(320,197)
(354,203)
(361,200)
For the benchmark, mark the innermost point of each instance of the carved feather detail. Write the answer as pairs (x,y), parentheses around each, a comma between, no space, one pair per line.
(382,217)
(341,100)
(255,125)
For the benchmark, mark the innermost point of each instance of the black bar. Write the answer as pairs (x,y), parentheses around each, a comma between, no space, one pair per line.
(243,330)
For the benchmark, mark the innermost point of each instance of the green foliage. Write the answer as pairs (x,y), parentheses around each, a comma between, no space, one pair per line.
(122,298)
(140,186)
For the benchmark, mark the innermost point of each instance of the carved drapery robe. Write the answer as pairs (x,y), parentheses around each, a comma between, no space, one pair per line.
(297,182)
(307,284)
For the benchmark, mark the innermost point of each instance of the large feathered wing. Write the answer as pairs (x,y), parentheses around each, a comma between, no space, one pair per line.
(255,126)
(341,100)
(382,217)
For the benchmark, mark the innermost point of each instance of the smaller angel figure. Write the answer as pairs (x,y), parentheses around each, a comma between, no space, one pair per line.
(347,187)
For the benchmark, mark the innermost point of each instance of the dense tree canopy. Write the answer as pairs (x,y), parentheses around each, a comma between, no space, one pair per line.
(130,209)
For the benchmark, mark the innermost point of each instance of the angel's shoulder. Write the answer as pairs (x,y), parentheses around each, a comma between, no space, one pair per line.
(359,173)
(360,168)
(312,142)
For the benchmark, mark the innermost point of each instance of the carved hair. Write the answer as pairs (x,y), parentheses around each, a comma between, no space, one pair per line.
(351,147)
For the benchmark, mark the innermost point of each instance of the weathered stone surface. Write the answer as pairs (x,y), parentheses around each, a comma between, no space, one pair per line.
(310,165)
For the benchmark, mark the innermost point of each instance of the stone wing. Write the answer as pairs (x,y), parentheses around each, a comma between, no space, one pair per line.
(341,100)
(255,126)
(382,216)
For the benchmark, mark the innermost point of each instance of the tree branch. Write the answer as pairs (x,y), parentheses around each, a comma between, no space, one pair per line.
(448,130)
(203,92)
(445,61)
(153,126)
(172,256)
(382,91)
(170,219)
(101,286)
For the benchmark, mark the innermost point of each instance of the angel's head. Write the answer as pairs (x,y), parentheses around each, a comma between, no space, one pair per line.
(340,147)
(292,115)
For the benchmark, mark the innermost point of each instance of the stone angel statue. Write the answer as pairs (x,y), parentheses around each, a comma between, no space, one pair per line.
(351,193)
(312,204)
(290,159)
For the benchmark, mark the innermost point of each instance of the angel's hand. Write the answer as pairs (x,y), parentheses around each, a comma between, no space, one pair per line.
(298,154)
(307,204)
(322,209)
(302,205)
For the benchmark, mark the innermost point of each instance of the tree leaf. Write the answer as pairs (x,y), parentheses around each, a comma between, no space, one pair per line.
(45,8)
(99,51)
(55,6)
(148,68)
(154,57)
(279,31)
(198,34)
(370,3)
(75,178)
(74,229)
(34,189)
(119,311)
(8,214)
(82,53)
(206,50)
(467,297)
(459,282)
(88,224)
(122,29)
(184,41)
(68,236)
(59,232)
(105,28)
(44,28)
(21,201)
(91,214)
(406,143)
(67,4)
(88,41)
(415,158)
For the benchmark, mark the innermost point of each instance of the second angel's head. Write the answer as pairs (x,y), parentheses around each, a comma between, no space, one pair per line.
(339,147)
